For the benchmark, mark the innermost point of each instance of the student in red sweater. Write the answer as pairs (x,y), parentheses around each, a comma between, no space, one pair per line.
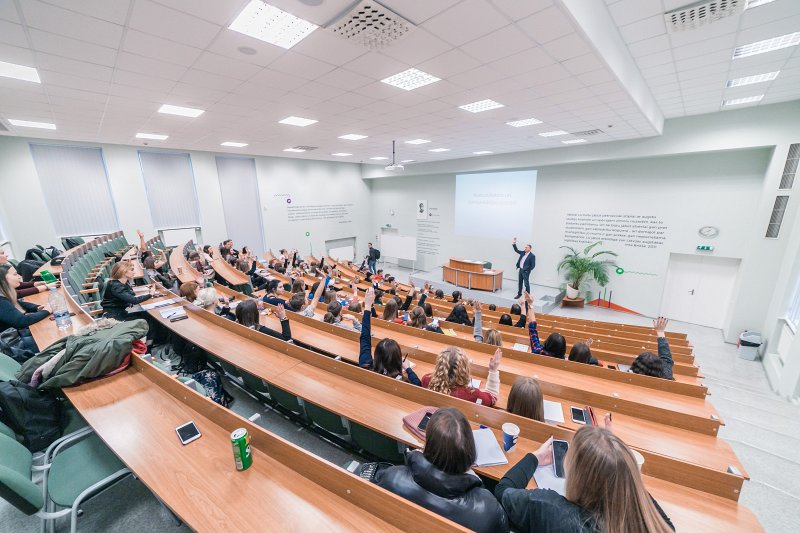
(451,376)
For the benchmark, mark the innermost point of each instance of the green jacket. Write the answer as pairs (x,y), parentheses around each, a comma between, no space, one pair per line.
(93,351)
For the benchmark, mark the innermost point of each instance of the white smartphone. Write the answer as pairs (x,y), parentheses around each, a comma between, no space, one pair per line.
(187,433)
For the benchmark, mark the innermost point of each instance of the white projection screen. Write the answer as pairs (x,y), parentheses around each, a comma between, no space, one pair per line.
(495,204)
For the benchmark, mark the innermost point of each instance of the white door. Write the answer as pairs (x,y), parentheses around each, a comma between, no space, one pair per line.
(698,289)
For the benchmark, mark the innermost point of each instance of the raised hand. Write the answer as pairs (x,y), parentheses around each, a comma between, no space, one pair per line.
(478,306)
(369,298)
(406,363)
(280,312)
(494,362)
(514,241)
(660,325)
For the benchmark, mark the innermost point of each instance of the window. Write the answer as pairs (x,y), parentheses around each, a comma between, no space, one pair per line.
(171,194)
(240,201)
(76,189)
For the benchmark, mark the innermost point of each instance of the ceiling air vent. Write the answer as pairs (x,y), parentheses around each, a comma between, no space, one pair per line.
(790,170)
(775,219)
(701,13)
(371,25)
(587,133)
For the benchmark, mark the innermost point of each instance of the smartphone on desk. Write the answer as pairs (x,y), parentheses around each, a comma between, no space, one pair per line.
(424,422)
(560,448)
(578,415)
(187,433)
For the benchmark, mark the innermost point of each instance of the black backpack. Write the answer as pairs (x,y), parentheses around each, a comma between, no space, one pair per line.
(377,253)
(36,416)
(12,345)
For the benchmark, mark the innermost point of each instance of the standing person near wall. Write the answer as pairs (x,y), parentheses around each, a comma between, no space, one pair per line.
(373,254)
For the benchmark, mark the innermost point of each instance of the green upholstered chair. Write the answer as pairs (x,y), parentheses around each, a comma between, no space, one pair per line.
(330,422)
(76,468)
(374,443)
(8,367)
(288,401)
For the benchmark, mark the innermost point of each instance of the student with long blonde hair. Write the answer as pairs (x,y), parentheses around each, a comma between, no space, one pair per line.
(451,375)
(604,490)
(119,295)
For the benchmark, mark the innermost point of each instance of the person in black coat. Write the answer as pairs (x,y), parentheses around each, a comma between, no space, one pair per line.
(119,295)
(440,478)
(373,254)
(604,491)
(525,265)
(16,313)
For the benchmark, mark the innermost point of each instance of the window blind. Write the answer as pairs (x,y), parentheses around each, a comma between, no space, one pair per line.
(238,185)
(171,193)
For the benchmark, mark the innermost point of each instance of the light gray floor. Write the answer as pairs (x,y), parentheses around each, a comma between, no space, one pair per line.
(763,429)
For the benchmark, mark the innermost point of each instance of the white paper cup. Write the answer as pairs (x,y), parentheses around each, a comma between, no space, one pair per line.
(638,458)
(510,436)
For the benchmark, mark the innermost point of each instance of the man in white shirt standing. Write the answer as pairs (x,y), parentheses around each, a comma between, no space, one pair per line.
(525,265)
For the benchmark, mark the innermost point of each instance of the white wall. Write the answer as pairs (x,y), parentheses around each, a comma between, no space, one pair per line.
(687,192)
(27,221)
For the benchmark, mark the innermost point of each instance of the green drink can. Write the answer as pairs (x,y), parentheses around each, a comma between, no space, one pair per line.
(242,454)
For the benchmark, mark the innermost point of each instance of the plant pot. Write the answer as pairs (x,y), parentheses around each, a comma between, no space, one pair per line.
(572,293)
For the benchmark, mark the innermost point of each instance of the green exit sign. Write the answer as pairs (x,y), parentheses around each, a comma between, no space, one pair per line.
(705,248)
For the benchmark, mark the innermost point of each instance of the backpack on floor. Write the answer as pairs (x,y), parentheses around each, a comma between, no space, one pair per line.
(36,416)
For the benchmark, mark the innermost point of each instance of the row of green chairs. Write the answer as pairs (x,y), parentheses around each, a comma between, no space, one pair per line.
(86,269)
(363,439)
(75,467)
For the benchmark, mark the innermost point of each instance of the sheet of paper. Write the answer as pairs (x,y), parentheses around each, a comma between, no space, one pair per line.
(172,312)
(553,411)
(476,384)
(141,290)
(156,305)
(449,332)
(546,478)
(521,347)
(488,450)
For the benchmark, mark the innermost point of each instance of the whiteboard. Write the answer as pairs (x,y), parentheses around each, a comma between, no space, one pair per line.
(345,253)
(399,247)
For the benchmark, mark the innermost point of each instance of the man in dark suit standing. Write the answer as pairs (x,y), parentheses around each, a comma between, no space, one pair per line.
(525,265)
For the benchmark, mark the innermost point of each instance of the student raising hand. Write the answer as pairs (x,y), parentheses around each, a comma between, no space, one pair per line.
(660,325)
(369,298)
(280,312)
(494,362)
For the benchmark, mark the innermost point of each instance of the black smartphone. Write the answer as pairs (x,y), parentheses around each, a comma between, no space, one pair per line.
(187,433)
(578,415)
(424,422)
(560,448)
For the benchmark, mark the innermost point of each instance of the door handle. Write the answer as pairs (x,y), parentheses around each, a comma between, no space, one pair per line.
(691,292)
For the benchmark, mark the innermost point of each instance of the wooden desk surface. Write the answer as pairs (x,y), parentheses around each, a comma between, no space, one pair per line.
(136,417)
(229,273)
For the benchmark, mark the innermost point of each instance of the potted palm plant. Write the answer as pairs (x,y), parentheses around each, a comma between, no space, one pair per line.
(580,267)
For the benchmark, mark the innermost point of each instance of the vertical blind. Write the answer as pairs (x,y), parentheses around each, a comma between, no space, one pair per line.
(76,189)
(238,185)
(171,194)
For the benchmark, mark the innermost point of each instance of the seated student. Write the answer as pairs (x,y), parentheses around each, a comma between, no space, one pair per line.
(439,294)
(492,307)
(334,316)
(377,277)
(207,299)
(16,313)
(451,376)
(318,289)
(493,336)
(581,353)
(247,315)
(419,319)
(440,477)
(208,253)
(226,250)
(274,295)
(153,275)
(604,490)
(505,320)
(459,315)
(390,312)
(648,363)
(298,285)
(525,399)
(428,309)
(119,295)
(554,346)
(188,290)
(456,296)
(248,267)
(389,359)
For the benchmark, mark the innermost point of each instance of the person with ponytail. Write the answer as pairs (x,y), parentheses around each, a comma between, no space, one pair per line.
(604,491)
(16,313)
(451,376)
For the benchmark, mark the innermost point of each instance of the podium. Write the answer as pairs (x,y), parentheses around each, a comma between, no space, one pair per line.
(472,275)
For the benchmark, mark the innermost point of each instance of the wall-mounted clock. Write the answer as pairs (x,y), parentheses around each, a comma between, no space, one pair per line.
(709,232)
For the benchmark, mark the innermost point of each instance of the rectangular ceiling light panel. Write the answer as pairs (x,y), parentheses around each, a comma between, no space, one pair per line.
(19,72)
(233,144)
(32,124)
(152,136)
(410,79)
(767,45)
(524,122)
(352,137)
(298,121)
(272,25)
(182,111)
(482,105)
(745,100)
(750,80)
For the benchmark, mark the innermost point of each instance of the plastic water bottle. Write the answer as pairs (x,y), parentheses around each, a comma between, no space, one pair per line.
(59,307)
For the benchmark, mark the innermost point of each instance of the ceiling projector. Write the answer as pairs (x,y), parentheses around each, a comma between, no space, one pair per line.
(394,166)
